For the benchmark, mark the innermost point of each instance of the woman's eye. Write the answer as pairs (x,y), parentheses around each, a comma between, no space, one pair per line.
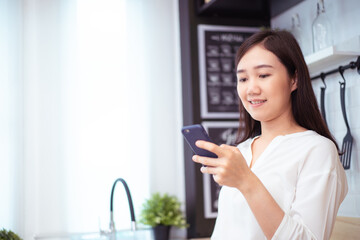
(242,79)
(264,75)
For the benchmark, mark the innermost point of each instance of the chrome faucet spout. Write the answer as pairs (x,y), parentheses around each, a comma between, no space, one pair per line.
(131,207)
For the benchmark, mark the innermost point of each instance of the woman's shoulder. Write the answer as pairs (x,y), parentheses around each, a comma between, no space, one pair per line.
(310,139)
(319,142)
(321,151)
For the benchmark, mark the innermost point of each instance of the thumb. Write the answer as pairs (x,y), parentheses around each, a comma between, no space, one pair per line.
(228,147)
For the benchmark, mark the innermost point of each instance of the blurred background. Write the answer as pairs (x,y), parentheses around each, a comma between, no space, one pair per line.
(89,93)
(93,90)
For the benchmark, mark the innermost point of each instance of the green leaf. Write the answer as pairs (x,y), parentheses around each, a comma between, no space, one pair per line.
(162,210)
(8,235)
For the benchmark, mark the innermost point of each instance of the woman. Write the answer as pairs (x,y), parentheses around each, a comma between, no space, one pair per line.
(284,180)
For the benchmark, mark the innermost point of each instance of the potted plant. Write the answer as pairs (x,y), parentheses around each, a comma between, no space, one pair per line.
(161,212)
(8,235)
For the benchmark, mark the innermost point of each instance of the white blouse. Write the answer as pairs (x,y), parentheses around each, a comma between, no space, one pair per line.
(303,174)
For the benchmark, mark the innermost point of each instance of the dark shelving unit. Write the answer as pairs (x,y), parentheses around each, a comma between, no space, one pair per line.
(255,9)
(252,9)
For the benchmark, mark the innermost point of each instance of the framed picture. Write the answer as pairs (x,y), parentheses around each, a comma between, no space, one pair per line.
(220,133)
(217,49)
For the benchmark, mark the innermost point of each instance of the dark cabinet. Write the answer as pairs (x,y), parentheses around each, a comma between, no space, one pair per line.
(250,9)
(255,9)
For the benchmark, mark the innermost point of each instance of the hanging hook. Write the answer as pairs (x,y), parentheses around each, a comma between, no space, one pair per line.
(322,76)
(341,71)
(357,64)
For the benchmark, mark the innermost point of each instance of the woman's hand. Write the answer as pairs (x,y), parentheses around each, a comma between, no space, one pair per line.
(229,169)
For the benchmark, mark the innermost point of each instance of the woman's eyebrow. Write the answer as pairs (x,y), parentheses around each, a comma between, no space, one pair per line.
(256,67)
(263,66)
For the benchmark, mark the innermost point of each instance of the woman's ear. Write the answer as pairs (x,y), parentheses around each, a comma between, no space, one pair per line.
(294,82)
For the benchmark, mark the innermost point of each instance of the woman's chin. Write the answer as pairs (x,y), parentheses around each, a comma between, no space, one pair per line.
(257,117)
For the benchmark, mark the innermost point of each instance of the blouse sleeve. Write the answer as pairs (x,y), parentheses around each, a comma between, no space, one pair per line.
(320,189)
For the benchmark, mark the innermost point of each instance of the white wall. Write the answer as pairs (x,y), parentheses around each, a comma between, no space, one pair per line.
(167,164)
(11,125)
(344,17)
(167,173)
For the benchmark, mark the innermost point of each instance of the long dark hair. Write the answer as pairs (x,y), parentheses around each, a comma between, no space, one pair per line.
(304,104)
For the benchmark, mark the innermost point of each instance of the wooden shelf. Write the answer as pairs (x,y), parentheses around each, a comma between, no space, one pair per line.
(331,57)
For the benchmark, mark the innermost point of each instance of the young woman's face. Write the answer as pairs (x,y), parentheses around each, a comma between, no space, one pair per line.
(264,85)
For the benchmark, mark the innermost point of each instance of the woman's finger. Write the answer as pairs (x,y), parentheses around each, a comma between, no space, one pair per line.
(212,147)
(205,160)
(228,147)
(208,170)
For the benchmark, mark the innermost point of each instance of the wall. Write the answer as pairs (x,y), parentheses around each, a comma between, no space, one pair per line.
(11,125)
(166,167)
(343,15)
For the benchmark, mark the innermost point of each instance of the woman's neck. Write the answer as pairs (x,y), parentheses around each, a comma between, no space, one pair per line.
(281,126)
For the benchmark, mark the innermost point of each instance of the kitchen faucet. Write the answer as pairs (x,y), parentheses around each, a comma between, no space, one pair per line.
(131,207)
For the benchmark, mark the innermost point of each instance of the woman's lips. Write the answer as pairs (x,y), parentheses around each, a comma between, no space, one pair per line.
(257,102)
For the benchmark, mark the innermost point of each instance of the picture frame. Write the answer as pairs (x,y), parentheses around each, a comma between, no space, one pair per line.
(217,75)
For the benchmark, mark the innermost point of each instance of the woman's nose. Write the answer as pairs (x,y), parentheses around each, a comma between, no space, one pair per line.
(253,87)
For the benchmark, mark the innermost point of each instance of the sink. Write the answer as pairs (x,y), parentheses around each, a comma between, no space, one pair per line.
(145,234)
(141,234)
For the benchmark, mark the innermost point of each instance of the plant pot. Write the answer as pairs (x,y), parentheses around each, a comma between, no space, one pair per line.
(161,232)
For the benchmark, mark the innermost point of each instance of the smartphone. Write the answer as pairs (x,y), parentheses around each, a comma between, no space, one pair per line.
(192,133)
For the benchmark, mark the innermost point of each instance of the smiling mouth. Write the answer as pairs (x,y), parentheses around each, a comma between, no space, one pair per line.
(257,101)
